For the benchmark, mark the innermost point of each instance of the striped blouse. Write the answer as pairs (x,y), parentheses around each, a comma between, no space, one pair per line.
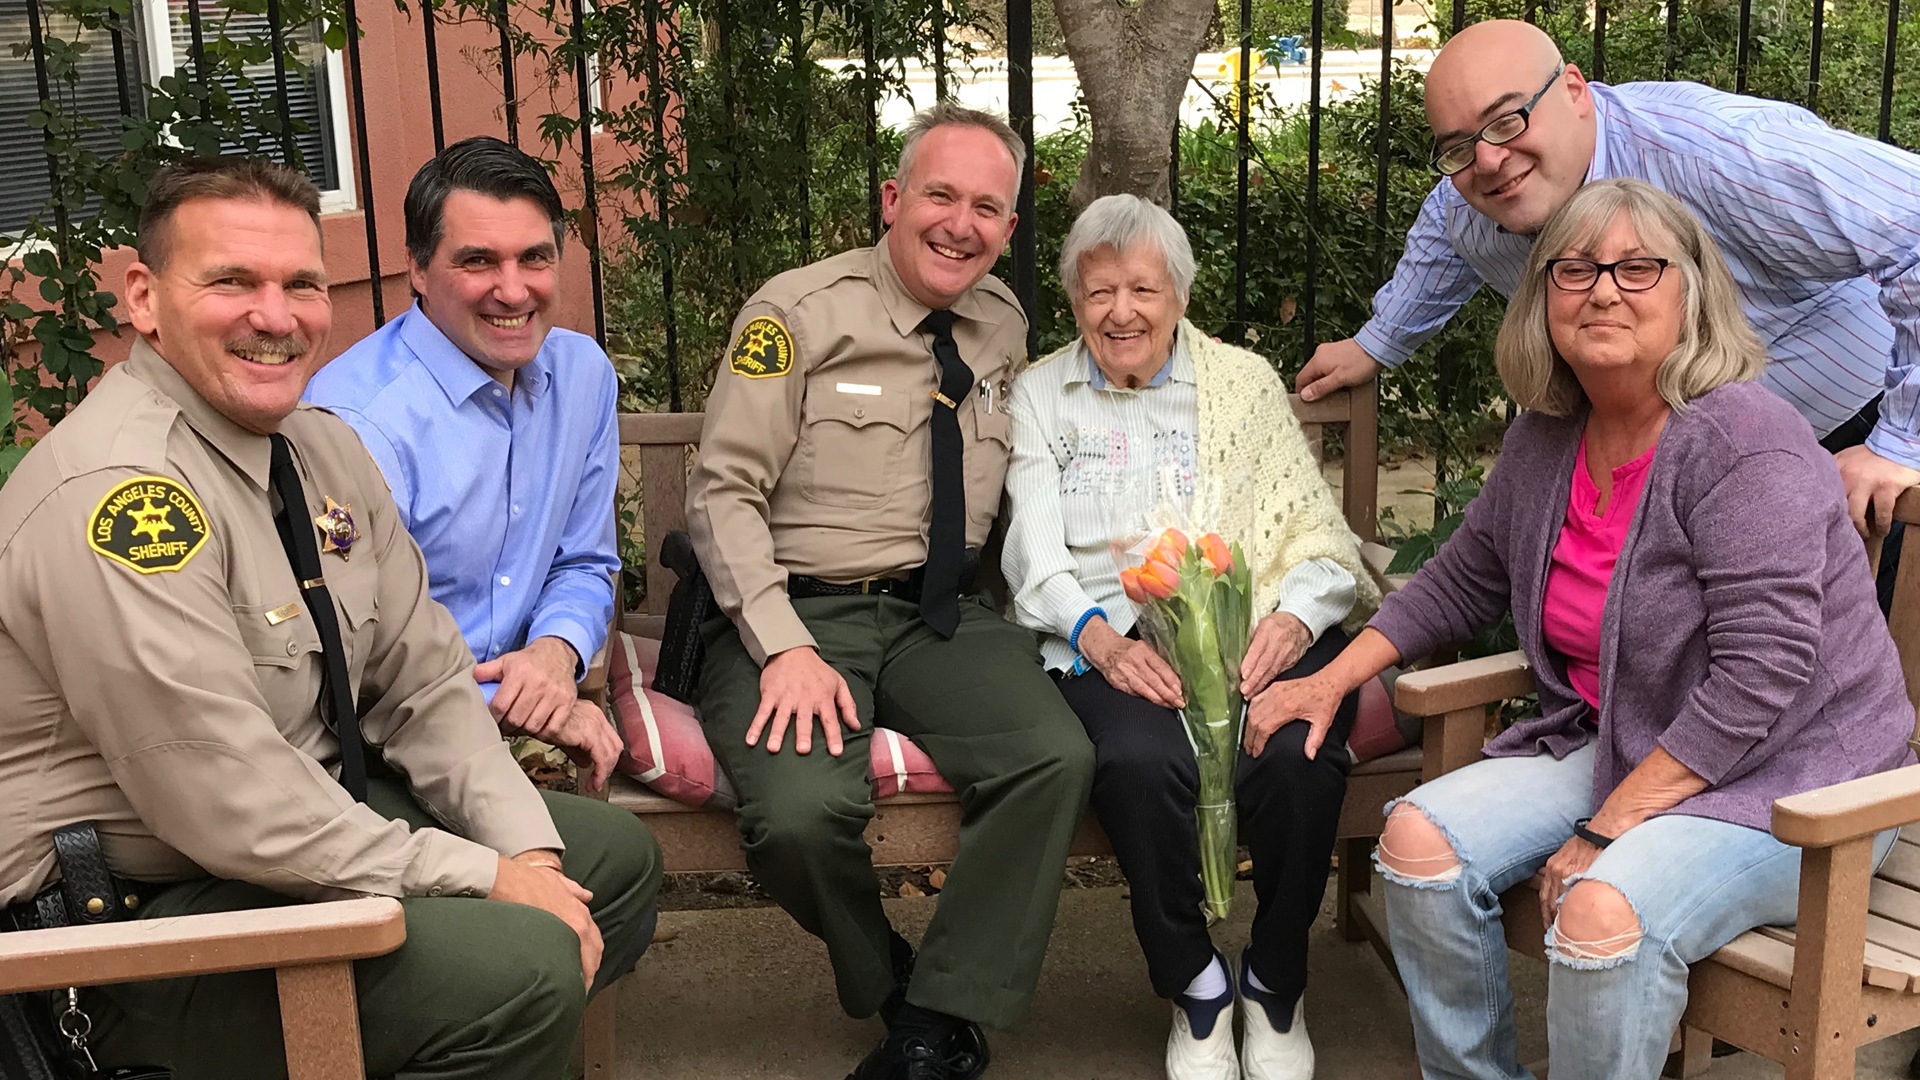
(1090,460)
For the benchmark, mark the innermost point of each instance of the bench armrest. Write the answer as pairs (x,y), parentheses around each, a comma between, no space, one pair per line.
(200,944)
(1445,689)
(1834,814)
(1376,558)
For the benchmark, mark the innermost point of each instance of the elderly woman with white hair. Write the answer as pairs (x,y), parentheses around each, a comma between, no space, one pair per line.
(1675,549)
(1098,428)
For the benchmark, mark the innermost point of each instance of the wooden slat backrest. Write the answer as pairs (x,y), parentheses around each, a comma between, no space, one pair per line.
(663,441)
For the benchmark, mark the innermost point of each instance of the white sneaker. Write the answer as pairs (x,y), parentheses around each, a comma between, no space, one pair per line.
(1266,1054)
(1192,1056)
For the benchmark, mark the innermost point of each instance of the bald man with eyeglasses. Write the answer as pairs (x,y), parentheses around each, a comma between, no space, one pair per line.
(1821,228)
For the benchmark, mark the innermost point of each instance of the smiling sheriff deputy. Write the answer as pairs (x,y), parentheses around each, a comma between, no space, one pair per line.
(856,441)
(226,687)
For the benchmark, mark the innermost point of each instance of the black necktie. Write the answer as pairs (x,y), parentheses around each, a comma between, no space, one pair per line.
(947,531)
(303,553)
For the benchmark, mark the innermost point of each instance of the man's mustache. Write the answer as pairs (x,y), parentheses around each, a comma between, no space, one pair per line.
(286,345)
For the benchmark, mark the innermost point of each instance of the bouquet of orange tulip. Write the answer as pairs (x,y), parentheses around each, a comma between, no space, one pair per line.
(1196,609)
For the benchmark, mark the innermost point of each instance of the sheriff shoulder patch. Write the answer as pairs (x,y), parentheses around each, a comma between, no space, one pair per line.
(763,350)
(150,523)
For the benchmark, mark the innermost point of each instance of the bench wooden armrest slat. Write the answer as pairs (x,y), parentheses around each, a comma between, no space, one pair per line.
(1449,687)
(200,944)
(1839,812)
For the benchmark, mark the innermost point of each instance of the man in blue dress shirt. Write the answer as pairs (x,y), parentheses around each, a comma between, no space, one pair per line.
(1821,229)
(496,431)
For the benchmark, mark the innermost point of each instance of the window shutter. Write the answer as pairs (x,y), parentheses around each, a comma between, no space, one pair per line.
(308,95)
(24,191)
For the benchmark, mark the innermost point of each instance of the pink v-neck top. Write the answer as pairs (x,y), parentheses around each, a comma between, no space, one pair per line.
(1582,567)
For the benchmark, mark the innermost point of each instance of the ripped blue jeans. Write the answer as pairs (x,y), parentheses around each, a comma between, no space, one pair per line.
(1695,884)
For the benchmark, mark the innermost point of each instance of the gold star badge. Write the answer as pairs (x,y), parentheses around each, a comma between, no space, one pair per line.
(337,530)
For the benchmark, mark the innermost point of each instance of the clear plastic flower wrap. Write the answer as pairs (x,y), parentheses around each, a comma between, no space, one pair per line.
(1192,593)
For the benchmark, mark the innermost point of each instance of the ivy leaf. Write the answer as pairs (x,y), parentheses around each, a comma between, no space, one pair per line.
(9,460)
(1413,554)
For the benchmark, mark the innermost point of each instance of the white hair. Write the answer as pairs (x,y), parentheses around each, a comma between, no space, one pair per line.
(1120,222)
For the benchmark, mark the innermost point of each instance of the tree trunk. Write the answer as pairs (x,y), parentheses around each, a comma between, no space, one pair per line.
(1133,58)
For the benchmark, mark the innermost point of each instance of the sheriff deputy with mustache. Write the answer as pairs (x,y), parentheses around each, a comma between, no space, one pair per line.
(856,441)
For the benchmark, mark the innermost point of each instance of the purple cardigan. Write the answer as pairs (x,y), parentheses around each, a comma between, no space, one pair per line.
(1741,631)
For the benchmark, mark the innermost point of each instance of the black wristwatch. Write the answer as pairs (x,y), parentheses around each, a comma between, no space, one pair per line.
(1580,830)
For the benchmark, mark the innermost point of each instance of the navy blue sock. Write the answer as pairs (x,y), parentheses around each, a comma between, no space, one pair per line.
(1203,1014)
(1278,1014)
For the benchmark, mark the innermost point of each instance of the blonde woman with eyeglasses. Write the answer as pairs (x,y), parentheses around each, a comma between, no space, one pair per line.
(1697,610)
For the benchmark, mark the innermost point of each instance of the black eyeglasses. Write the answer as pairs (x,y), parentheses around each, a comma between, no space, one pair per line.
(1498,131)
(1629,275)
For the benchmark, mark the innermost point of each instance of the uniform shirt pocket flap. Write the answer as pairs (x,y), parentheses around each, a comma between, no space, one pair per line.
(857,410)
(997,426)
(356,596)
(277,635)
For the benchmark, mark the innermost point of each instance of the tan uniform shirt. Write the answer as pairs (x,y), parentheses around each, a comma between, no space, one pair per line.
(816,454)
(161,674)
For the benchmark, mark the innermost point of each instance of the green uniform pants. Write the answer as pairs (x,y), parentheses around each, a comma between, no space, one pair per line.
(482,989)
(982,707)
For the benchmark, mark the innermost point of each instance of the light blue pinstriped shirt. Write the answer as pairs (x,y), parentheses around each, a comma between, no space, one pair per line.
(1821,228)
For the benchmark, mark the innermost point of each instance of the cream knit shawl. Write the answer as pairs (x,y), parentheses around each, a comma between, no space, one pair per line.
(1271,497)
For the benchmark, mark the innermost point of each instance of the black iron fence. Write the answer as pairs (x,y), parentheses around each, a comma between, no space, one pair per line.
(250,88)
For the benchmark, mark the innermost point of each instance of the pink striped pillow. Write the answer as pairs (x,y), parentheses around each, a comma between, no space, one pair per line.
(666,748)
(668,751)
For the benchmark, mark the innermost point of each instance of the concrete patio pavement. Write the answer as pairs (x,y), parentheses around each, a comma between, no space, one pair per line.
(736,994)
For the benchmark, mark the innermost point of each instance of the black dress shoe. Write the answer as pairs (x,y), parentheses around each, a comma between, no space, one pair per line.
(960,1056)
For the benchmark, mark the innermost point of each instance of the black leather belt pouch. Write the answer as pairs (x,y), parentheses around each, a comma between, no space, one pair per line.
(690,606)
(31,1045)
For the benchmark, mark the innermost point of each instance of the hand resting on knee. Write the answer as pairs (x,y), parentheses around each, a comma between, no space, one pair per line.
(534,878)
(795,687)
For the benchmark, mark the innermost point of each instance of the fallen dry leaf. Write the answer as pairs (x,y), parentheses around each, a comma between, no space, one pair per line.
(909,889)
(937,879)
(1288,309)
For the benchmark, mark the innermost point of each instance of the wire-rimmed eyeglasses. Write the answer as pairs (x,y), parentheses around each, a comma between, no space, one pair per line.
(1498,131)
(1629,275)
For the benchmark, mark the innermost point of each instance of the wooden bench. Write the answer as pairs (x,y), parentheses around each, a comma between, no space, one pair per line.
(1849,972)
(311,948)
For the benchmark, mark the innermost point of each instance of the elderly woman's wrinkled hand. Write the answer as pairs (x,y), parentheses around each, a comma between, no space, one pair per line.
(1313,700)
(1279,641)
(1129,665)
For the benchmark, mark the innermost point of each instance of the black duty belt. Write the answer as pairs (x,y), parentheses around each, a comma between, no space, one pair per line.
(803,587)
(87,894)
